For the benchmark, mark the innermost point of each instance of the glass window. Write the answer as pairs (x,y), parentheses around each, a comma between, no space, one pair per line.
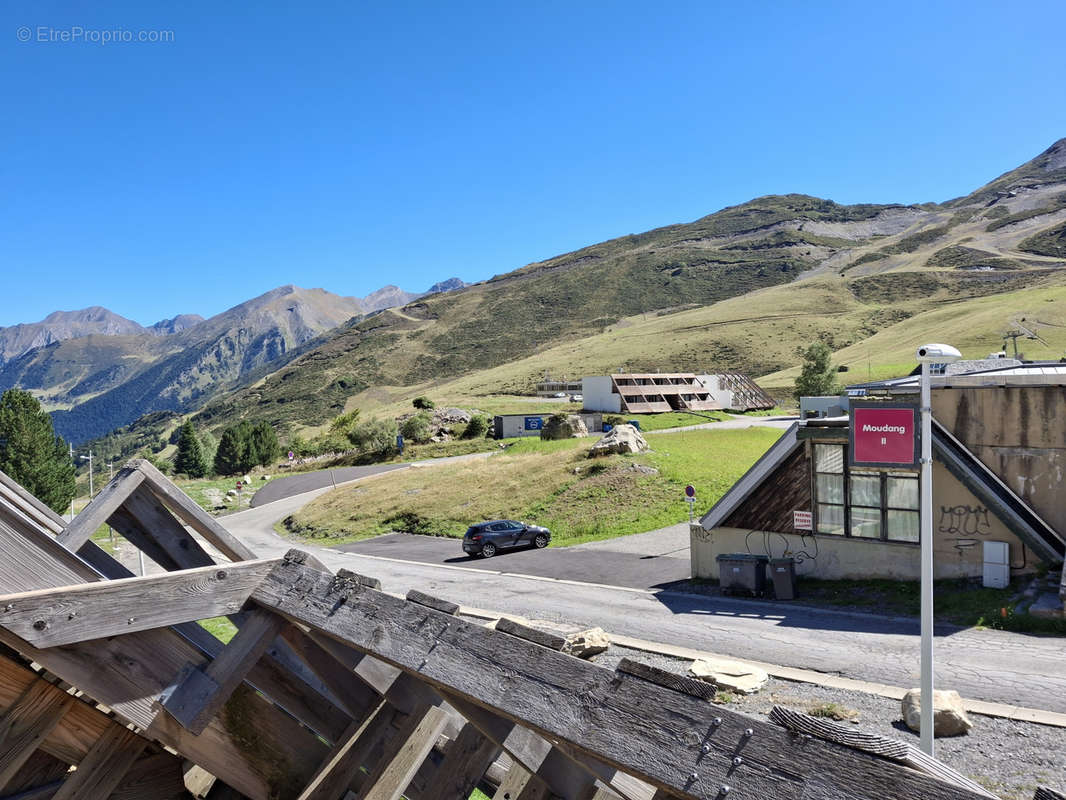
(866,522)
(901,492)
(830,488)
(867,505)
(865,490)
(831,519)
(829,458)
(903,526)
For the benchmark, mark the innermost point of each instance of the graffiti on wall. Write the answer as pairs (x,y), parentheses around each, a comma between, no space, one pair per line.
(963,523)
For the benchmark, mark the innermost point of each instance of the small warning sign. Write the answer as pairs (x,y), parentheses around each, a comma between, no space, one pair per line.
(803,520)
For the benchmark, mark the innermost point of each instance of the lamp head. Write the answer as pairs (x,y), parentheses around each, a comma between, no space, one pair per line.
(937,354)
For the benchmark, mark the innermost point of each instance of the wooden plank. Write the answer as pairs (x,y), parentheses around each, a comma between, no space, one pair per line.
(100,508)
(136,534)
(444,606)
(543,638)
(40,770)
(128,673)
(467,758)
(203,693)
(662,677)
(167,531)
(192,515)
(346,758)
(663,737)
(155,776)
(27,723)
(101,771)
(45,517)
(58,616)
(404,753)
(354,694)
(521,784)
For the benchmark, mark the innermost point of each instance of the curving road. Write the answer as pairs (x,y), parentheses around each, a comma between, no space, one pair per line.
(981,664)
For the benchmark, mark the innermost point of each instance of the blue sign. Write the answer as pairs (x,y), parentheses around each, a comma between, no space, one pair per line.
(534,423)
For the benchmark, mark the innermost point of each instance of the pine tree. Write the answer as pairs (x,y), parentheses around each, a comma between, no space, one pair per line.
(189,459)
(264,443)
(229,458)
(31,453)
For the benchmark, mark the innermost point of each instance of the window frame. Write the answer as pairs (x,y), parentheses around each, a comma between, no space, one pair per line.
(847,505)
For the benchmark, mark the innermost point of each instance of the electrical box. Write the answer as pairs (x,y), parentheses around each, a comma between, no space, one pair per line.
(997,565)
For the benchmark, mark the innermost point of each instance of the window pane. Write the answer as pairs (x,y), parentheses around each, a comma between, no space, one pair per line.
(866,522)
(865,490)
(829,458)
(903,526)
(902,493)
(831,519)
(830,488)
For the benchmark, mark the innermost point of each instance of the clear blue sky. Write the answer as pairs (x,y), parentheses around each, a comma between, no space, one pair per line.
(352,145)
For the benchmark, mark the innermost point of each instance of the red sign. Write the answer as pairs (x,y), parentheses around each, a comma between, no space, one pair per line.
(884,435)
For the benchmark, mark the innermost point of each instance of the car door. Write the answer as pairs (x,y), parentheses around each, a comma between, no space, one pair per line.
(511,531)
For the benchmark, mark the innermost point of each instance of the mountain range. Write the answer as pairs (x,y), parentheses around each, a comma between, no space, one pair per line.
(96,370)
(744,288)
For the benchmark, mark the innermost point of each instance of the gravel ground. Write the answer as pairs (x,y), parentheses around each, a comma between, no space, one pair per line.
(1008,758)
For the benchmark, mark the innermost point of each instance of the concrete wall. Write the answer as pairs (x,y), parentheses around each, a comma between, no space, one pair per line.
(823,406)
(509,426)
(1019,432)
(960,524)
(723,397)
(597,394)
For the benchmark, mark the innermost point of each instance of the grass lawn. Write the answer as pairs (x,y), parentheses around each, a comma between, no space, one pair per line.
(549,483)
(675,419)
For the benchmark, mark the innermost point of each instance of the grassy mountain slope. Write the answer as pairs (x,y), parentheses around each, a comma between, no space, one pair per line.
(743,289)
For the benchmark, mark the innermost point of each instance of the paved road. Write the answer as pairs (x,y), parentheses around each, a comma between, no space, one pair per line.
(300,483)
(983,665)
(290,485)
(617,566)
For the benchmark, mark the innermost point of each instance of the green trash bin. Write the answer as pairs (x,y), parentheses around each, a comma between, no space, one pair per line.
(742,573)
(783,575)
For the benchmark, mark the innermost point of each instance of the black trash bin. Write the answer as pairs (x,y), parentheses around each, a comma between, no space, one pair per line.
(783,575)
(742,573)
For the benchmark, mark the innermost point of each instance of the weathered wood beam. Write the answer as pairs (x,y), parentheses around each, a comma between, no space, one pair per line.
(192,515)
(202,693)
(344,761)
(100,508)
(666,738)
(356,696)
(20,498)
(26,724)
(101,771)
(403,754)
(53,617)
(466,759)
(40,770)
(128,673)
(521,784)
(166,530)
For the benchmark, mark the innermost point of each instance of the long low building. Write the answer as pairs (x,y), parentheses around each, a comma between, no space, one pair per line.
(643,393)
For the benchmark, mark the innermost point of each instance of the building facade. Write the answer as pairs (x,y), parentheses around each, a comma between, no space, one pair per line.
(999,452)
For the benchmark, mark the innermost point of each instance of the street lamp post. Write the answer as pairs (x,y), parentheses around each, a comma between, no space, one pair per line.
(928,355)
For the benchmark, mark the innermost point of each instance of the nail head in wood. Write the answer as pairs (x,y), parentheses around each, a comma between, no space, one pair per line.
(670,680)
(444,606)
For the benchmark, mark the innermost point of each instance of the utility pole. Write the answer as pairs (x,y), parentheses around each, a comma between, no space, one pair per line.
(89,458)
(70,450)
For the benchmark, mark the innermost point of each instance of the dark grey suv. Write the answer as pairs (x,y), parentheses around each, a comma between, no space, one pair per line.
(488,538)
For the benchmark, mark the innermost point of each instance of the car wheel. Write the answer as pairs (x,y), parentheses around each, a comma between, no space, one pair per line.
(488,550)
(540,540)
